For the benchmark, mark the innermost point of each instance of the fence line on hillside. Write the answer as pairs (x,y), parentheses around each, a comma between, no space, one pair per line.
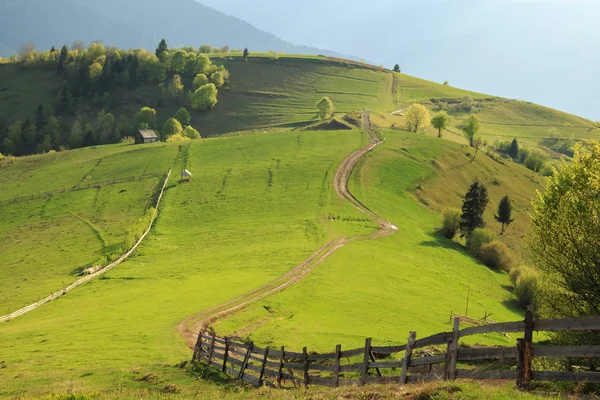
(95,274)
(107,182)
(375,364)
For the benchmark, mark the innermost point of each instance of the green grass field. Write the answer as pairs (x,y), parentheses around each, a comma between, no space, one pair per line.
(258,205)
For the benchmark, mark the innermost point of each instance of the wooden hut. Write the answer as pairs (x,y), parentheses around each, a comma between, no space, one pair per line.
(186,175)
(146,136)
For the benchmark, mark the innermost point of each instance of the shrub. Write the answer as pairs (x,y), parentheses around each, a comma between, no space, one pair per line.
(450,222)
(191,133)
(477,239)
(1,156)
(178,138)
(496,255)
(535,160)
(127,140)
(526,286)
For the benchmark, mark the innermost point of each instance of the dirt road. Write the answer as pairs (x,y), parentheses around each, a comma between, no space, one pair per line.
(190,328)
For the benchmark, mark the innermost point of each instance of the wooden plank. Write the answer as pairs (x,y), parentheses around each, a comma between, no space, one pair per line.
(417,378)
(567,351)
(251,379)
(316,380)
(488,353)
(322,368)
(246,359)
(352,353)
(372,357)
(232,371)
(257,356)
(271,373)
(226,355)
(365,365)
(253,368)
(275,353)
(407,357)
(452,353)
(568,324)
(208,337)
(321,357)
(385,364)
(336,365)
(263,366)
(592,377)
(272,364)
(292,354)
(527,350)
(388,349)
(288,377)
(212,347)
(433,340)
(280,373)
(518,326)
(351,367)
(236,362)
(492,374)
(295,366)
(305,366)
(438,359)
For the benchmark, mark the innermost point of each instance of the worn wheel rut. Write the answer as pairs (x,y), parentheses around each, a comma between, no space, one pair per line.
(190,328)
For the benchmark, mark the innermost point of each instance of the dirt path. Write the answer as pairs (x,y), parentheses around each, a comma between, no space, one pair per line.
(190,328)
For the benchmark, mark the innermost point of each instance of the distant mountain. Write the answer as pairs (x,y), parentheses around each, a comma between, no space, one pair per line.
(545,51)
(130,23)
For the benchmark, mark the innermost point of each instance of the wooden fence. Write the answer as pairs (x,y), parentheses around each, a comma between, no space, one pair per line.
(377,364)
(88,185)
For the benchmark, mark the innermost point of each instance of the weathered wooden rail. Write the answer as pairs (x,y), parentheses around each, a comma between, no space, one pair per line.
(400,364)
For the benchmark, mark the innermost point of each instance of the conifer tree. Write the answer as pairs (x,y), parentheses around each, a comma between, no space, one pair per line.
(474,205)
(513,150)
(246,54)
(162,47)
(60,68)
(40,118)
(504,213)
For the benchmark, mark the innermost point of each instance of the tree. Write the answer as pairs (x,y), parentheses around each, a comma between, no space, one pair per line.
(477,143)
(204,98)
(62,58)
(191,133)
(171,127)
(396,68)
(471,129)
(145,117)
(246,54)
(176,87)
(95,71)
(218,79)
(504,213)
(162,47)
(440,122)
(325,108)
(183,116)
(178,62)
(564,240)
(417,118)
(76,135)
(476,200)
(200,80)
(513,150)
(40,118)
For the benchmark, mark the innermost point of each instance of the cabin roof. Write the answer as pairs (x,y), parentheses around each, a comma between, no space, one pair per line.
(148,134)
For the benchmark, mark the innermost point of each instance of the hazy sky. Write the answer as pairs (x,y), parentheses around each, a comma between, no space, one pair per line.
(539,50)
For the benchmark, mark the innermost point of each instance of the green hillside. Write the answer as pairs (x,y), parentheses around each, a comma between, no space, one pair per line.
(260,202)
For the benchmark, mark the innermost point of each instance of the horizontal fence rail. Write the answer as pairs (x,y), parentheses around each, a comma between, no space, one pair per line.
(82,186)
(415,361)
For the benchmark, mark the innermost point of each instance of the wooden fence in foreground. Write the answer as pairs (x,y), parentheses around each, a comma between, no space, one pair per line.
(377,364)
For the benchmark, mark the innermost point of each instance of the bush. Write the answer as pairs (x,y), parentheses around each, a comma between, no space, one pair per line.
(526,286)
(535,160)
(127,140)
(450,222)
(496,255)
(178,138)
(477,239)
(1,156)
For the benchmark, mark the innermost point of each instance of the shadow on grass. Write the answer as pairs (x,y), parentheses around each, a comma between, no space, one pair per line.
(205,372)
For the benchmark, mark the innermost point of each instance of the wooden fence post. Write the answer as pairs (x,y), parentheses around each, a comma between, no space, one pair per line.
(212,348)
(280,373)
(246,359)
(452,353)
(197,348)
(365,368)
(336,365)
(525,352)
(305,366)
(224,368)
(407,357)
(262,368)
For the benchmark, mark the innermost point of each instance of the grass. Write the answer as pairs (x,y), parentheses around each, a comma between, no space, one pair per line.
(243,226)
(422,275)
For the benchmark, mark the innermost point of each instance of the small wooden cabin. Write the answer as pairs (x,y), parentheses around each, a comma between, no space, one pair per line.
(186,175)
(146,136)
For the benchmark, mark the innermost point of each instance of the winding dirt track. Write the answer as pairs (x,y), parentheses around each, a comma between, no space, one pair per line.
(190,328)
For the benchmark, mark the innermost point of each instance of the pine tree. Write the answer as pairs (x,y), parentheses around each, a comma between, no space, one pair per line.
(513,150)
(60,68)
(504,213)
(474,205)
(40,118)
(53,49)
(162,47)
(396,68)
(246,54)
